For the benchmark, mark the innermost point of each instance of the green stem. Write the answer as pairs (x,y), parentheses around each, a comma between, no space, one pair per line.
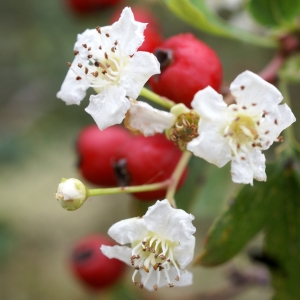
(129,189)
(156,98)
(185,157)
(289,132)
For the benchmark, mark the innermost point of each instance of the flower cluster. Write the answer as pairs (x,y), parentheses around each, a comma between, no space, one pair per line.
(161,244)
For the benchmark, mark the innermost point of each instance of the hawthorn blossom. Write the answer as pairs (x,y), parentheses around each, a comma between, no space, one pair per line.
(239,132)
(71,193)
(107,60)
(147,120)
(161,245)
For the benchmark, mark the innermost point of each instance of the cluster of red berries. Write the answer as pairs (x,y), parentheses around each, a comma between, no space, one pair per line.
(115,157)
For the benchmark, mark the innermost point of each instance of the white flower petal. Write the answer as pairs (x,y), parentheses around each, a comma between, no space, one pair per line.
(148,120)
(209,104)
(73,91)
(210,145)
(186,278)
(128,231)
(137,72)
(243,171)
(108,107)
(128,32)
(172,224)
(122,253)
(184,252)
(249,88)
(259,166)
(285,118)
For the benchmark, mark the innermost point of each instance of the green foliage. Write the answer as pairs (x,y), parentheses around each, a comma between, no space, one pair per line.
(197,14)
(282,242)
(290,72)
(209,198)
(274,13)
(5,242)
(243,218)
(186,195)
(273,206)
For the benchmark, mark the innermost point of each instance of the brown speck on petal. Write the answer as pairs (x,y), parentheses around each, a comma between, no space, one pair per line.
(98,29)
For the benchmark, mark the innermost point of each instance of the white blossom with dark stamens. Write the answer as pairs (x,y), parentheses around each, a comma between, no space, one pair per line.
(161,246)
(239,132)
(107,60)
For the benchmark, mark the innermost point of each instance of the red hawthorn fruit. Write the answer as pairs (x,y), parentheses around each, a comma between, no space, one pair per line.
(86,6)
(187,66)
(148,160)
(97,150)
(91,266)
(153,37)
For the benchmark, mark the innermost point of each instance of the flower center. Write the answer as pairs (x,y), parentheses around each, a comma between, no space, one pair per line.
(184,130)
(154,254)
(243,130)
(99,65)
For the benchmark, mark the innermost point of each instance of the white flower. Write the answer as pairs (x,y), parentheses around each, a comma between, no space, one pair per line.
(161,245)
(107,60)
(240,131)
(71,193)
(148,120)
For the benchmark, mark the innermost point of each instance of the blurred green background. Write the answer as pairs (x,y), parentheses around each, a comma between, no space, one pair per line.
(37,136)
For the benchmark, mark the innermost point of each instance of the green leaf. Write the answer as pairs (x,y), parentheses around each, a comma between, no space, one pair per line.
(274,13)
(197,14)
(282,242)
(290,71)
(243,218)
(186,195)
(209,199)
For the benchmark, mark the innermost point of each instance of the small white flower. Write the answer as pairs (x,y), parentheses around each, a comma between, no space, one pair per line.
(240,131)
(71,193)
(161,246)
(148,120)
(107,60)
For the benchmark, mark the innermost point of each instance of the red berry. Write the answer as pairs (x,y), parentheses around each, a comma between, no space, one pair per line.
(97,151)
(91,266)
(149,160)
(86,6)
(187,66)
(152,34)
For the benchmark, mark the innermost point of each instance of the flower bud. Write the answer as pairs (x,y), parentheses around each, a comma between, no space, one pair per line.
(71,193)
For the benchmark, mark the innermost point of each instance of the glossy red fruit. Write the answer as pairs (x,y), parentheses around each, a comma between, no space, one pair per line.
(97,150)
(148,160)
(91,266)
(153,37)
(86,6)
(187,66)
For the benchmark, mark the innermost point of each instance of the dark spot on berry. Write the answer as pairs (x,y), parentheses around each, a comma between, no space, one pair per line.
(82,255)
(165,57)
(242,87)
(121,172)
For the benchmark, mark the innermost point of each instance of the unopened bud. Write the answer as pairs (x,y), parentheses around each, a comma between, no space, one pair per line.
(71,193)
